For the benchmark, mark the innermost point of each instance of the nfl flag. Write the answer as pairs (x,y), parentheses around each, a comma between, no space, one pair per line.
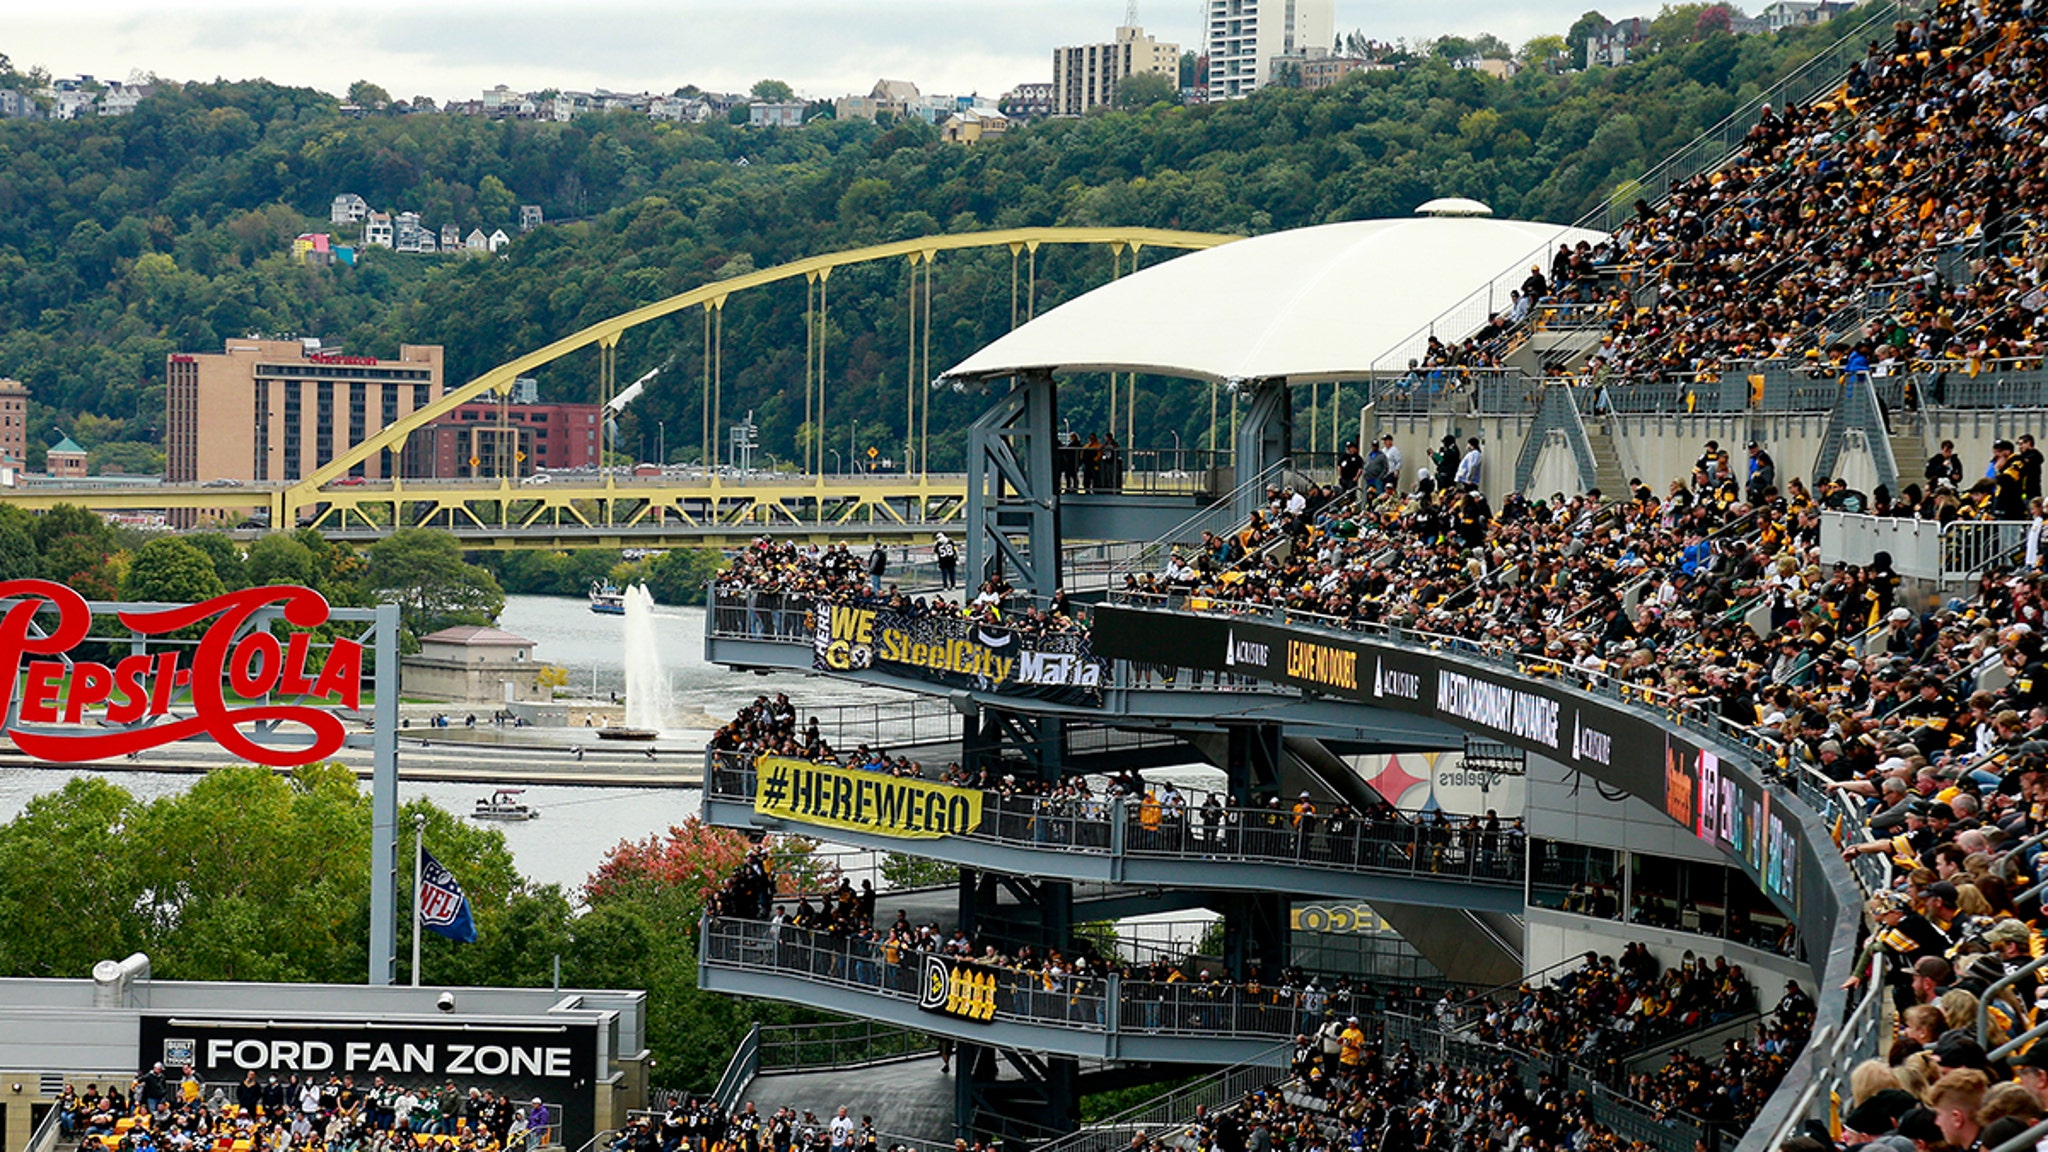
(443,907)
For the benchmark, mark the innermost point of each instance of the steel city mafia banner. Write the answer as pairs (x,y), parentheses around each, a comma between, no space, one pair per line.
(957,652)
(1727,811)
(862,801)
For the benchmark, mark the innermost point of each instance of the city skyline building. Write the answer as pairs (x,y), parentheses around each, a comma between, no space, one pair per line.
(1085,76)
(274,411)
(1242,38)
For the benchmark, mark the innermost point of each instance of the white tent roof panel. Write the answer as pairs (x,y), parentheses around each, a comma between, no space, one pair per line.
(1329,302)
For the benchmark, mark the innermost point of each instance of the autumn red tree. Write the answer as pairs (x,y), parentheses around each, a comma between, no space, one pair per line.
(678,873)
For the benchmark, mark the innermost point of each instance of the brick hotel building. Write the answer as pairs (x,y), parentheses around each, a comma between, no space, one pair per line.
(276,410)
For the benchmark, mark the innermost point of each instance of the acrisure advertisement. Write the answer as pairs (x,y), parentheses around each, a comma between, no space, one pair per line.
(1727,810)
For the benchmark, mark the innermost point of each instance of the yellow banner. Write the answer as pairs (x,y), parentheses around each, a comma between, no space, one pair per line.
(859,801)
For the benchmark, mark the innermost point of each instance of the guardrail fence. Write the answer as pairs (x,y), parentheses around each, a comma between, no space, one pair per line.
(1248,835)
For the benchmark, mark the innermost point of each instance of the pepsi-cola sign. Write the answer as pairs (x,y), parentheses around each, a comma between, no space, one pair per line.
(210,688)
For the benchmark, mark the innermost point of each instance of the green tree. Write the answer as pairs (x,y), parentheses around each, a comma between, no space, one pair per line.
(902,870)
(225,557)
(679,575)
(773,91)
(422,570)
(364,94)
(171,569)
(1587,26)
(18,558)
(60,927)
(494,201)
(1549,53)
(1676,24)
(1144,90)
(276,559)
(125,458)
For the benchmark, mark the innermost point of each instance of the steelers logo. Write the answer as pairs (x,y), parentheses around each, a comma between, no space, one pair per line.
(937,983)
(860,656)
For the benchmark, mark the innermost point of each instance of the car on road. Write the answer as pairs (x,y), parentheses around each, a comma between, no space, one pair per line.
(350,482)
(536,478)
(222,482)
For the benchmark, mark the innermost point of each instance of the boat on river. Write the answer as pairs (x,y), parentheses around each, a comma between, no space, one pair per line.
(504,804)
(607,598)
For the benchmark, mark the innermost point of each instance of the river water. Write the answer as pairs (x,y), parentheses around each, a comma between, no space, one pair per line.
(578,825)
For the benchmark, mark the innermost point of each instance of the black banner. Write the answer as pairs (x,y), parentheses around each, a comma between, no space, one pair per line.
(952,988)
(957,652)
(556,1062)
(1723,806)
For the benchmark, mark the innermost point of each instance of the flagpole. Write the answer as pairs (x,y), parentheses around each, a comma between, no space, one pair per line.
(419,849)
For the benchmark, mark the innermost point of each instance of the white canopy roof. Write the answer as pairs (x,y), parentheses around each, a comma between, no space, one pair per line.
(1329,302)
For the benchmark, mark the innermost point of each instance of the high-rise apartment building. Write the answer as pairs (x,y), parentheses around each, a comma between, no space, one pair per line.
(1085,76)
(13,424)
(1244,36)
(276,410)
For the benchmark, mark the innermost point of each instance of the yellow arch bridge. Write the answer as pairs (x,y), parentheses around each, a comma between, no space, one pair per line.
(702,505)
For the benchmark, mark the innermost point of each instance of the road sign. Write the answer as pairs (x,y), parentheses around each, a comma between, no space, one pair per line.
(874,452)
(474,461)
(519,456)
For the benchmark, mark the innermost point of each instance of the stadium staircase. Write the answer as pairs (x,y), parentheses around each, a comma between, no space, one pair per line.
(1607,471)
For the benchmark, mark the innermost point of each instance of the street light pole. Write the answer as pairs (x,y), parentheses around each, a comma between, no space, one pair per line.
(663,426)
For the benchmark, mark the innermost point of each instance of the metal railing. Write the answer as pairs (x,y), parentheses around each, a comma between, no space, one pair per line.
(922,720)
(1074,1003)
(842,1044)
(739,1071)
(1170,1115)
(1923,549)
(1665,1130)
(47,1131)
(743,614)
(1219,516)
(1247,835)
(1079,1003)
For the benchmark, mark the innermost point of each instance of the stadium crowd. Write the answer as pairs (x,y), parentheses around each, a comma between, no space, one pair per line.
(160,1113)
(834,575)
(693,1124)
(1935,139)
(1918,719)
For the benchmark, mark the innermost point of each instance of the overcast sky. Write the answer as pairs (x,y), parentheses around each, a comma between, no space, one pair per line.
(456,48)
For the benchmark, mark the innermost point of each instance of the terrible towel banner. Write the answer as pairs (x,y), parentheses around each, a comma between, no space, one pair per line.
(862,801)
(957,652)
(952,988)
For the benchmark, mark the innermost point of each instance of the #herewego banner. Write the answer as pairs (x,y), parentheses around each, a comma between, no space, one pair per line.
(234,659)
(859,801)
(958,652)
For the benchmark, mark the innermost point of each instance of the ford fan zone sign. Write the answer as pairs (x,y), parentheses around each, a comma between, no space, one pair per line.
(212,687)
(553,1061)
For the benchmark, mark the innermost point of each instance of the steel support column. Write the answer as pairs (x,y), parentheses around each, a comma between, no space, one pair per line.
(1265,438)
(1010,740)
(1013,489)
(1253,762)
(1257,934)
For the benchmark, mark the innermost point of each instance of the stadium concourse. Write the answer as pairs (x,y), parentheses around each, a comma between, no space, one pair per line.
(1865,693)
(1882,237)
